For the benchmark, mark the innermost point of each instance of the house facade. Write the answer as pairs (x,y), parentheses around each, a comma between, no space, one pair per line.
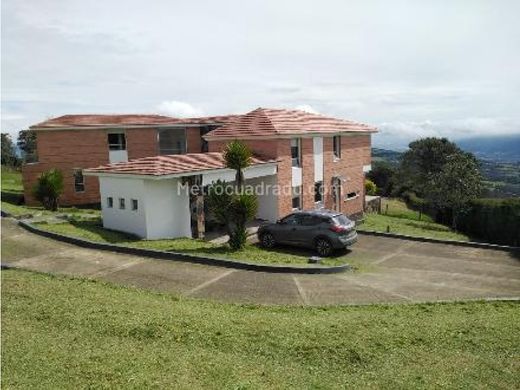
(313,161)
(72,143)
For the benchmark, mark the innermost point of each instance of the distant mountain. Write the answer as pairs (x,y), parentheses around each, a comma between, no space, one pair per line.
(499,148)
(390,156)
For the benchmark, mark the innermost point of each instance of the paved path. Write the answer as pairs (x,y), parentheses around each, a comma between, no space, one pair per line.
(395,271)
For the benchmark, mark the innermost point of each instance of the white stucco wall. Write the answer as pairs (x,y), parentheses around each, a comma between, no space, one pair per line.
(317,148)
(167,210)
(126,220)
(267,201)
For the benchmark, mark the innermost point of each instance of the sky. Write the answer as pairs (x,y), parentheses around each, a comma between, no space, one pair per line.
(412,68)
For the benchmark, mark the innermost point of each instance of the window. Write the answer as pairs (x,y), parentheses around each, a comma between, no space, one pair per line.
(203,131)
(296,197)
(292,219)
(122,203)
(336,144)
(79,181)
(116,141)
(351,195)
(318,191)
(312,220)
(110,202)
(295,152)
(172,141)
(135,204)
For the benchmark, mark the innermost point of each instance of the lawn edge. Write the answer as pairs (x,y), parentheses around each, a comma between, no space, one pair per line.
(472,244)
(177,256)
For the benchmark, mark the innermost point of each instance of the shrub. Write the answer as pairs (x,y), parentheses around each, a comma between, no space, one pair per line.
(48,189)
(493,220)
(370,187)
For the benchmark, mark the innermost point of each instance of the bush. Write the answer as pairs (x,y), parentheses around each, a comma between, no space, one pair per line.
(48,189)
(370,187)
(493,220)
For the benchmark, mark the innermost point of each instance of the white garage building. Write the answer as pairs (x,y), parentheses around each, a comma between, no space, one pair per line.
(149,197)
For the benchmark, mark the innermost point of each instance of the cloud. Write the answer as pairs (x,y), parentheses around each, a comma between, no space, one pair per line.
(306,108)
(179,109)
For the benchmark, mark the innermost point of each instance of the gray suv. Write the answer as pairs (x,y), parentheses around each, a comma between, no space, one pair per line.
(323,230)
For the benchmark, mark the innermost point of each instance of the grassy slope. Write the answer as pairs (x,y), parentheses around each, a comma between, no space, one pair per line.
(403,220)
(71,333)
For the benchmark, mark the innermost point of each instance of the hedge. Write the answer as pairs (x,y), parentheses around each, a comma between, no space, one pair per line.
(493,220)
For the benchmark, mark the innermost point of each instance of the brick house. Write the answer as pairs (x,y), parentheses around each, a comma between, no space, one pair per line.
(321,160)
(75,142)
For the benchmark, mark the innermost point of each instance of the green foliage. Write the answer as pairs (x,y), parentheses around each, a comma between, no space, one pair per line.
(493,220)
(8,157)
(424,158)
(27,143)
(456,184)
(77,333)
(48,189)
(238,157)
(383,176)
(370,187)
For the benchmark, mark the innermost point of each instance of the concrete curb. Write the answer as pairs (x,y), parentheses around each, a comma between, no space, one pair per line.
(471,244)
(157,254)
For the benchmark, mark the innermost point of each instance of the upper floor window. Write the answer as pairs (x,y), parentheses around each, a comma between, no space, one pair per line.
(336,145)
(295,152)
(79,181)
(116,141)
(122,205)
(172,141)
(110,202)
(135,204)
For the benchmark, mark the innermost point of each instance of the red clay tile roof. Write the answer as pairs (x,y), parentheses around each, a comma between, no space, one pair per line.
(95,121)
(170,164)
(264,122)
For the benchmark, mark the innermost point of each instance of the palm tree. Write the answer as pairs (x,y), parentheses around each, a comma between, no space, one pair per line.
(238,157)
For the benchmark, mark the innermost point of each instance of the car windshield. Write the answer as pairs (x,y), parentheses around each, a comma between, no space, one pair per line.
(341,220)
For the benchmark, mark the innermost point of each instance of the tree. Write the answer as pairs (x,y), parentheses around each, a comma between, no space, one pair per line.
(27,144)
(370,187)
(49,188)
(425,158)
(8,151)
(382,174)
(456,185)
(238,157)
(230,205)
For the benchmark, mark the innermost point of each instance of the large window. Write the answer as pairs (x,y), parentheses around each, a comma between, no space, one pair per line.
(79,181)
(336,144)
(172,141)
(116,141)
(295,152)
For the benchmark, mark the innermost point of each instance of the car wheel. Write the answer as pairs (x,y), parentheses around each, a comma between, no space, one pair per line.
(267,240)
(323,247)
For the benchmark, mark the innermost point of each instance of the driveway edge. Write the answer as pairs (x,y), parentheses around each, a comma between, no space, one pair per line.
(175,256)
(440,241)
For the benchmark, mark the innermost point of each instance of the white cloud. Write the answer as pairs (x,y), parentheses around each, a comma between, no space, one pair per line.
(179,109)
(306,108)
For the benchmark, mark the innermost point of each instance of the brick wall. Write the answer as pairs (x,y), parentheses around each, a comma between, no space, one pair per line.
(355,152)
(67,150)
(307,152)
(193,140)
(141,143)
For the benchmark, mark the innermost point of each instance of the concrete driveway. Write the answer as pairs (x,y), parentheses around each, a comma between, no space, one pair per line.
(394,270)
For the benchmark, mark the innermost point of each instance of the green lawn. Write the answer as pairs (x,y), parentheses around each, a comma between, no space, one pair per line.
(93,231)
(73,333)
(400,219)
